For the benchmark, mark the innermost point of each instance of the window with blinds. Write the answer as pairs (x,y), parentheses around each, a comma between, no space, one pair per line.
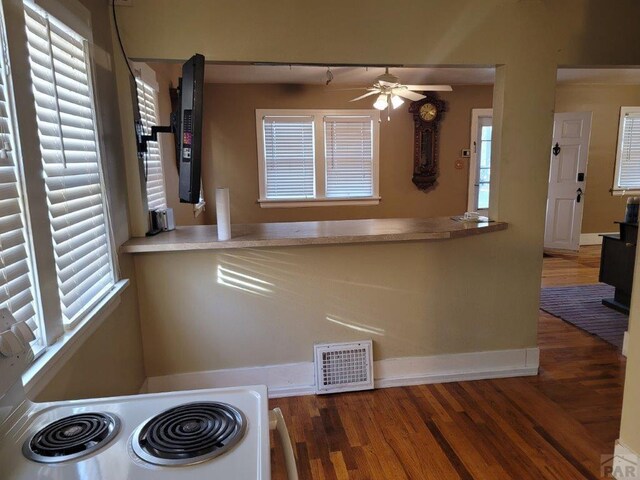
(349,156)
(628,159)
(325,157)
(154,175)
(289,157)
(16,281)
(71,162)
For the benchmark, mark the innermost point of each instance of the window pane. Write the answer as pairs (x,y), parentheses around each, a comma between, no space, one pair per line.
(486,132)
(16,268)
(629,175)
(349,156)
(484,164)
(483,196)
(71,162)
(289,157)
(148,105)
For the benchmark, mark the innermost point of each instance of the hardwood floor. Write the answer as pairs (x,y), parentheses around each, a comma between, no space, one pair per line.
(568,269)
(553,426)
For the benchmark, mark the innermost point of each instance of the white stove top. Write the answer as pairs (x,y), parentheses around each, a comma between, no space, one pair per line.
(248,460)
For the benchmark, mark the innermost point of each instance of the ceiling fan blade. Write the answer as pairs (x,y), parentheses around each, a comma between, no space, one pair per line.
(408,94)
(429,88)
(375,92)
(346,89)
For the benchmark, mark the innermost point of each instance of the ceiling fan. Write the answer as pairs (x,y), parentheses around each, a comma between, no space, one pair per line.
(391,92)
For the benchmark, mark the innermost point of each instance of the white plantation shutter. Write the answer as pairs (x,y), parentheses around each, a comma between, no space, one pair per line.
(71,161)
(629,154)
(16,282)
(148,104)
(289,157)
(349,156)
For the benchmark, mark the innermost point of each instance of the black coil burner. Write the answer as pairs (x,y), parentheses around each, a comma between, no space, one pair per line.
(71,437)
(189,433)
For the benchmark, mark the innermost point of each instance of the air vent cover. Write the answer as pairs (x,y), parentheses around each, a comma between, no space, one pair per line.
(344,367)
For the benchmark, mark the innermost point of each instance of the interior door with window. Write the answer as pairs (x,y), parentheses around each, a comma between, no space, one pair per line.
(567,179)
(480,161)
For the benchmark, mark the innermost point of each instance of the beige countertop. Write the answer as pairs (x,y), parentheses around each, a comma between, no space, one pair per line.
(205,237)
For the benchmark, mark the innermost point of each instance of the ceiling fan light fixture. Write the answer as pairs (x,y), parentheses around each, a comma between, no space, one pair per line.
(396,101)
(381,103)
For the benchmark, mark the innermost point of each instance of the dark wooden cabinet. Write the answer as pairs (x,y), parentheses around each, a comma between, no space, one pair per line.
(616,264)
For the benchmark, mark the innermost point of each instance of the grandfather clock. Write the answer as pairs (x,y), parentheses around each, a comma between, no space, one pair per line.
(427,114)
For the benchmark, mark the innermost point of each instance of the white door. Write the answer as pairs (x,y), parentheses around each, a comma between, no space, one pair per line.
(567,176)
(480,161)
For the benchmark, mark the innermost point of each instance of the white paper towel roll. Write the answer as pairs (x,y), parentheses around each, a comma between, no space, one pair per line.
(222,213)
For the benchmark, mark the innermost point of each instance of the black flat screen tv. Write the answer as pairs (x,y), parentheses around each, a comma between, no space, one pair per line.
(186,125)
(188,129)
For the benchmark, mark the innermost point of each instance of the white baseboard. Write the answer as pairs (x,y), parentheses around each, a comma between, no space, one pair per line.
(626,463)
(625,343)
(593,238)
(298,378)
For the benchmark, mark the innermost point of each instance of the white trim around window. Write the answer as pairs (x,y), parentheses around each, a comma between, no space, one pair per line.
(317,139)
(626,180)
(479,117)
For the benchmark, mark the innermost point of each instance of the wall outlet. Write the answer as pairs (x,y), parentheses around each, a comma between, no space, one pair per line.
(466,152)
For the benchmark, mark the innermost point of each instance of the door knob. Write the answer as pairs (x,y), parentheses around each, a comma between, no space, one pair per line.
(556,149)
(580,193)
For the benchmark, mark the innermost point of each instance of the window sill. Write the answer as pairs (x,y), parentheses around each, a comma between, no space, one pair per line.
(619,192)
(54,357)
(318,202)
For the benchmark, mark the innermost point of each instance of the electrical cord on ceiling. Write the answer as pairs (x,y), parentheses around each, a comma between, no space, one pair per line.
(124,54)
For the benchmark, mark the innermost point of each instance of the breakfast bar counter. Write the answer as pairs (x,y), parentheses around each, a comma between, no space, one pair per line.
(205,237)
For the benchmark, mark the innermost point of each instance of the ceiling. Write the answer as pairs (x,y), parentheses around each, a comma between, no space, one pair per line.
(357,76)
(316,75)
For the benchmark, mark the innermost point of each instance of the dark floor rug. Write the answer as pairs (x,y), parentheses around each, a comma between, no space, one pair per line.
(581,305)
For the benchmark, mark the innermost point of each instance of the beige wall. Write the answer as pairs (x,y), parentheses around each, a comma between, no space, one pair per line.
(525,39)
(230,157)
(517,36)
(601,209)
(412,299)
(230,152)
(110,361)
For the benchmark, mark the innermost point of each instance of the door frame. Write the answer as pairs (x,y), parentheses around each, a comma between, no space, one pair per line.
(476,114)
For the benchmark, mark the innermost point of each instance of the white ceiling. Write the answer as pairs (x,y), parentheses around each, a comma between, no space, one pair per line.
(357,76)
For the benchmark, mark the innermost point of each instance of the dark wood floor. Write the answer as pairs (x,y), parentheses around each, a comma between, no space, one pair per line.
(552,426)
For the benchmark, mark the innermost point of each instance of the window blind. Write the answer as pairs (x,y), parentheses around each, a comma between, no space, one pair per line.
(629,173)
(289,157)
(71,162)
(148,104)
(349,156)
(16,282)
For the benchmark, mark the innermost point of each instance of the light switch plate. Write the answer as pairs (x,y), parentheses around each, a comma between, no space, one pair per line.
(466,152)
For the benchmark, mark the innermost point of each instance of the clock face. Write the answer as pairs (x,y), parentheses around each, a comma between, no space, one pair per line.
(428,112)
